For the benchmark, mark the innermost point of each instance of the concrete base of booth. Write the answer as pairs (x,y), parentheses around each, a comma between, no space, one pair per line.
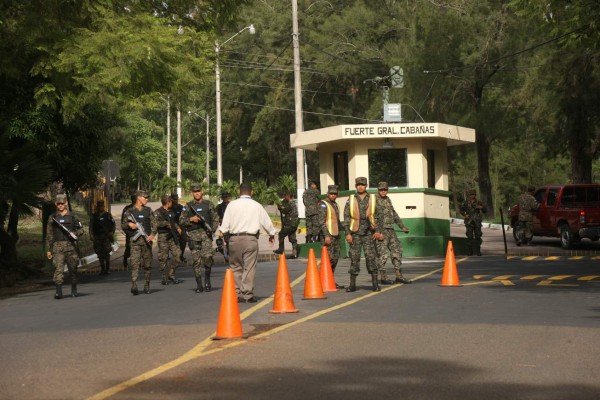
(412,246)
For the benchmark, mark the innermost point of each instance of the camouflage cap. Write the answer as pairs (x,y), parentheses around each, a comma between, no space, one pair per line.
(382,185)
(332,189)
(141,193)
(196,187)
(361,180)
(60,198)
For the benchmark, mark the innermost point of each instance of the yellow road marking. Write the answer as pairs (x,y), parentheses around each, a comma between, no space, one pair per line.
(596,258)
(503,277)
(576,258)
(532,277)
(548,282)
(552,258)
(511,257)
(560,277)
(479,276)
(530,258)
(481,283)
(588,278)
(200,349)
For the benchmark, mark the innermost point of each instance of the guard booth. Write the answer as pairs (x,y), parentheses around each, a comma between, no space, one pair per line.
(411,157)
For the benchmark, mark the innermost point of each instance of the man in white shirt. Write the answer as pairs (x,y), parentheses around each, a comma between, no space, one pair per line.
(242,222)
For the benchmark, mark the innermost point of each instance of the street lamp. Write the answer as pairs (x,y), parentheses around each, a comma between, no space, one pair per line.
(218,46)
(207,120)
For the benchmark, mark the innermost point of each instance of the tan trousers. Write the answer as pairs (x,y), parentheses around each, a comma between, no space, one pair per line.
(243,254)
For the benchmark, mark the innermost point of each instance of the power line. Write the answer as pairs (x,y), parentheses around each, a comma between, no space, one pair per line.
(304,112)
(285,88)
(554,39)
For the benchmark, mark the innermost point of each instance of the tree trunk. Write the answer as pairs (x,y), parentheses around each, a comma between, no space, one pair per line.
(483,172)
(579,145)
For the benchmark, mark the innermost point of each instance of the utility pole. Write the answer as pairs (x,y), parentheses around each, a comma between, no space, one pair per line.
(168,136)
(301,184)
(178,152)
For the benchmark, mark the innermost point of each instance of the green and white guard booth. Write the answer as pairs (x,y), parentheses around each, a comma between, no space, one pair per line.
(411,157)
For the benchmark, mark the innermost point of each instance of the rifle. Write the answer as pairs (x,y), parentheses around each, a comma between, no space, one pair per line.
(222,248)
(174,232)
(72,236)
(140,230)
(203,223)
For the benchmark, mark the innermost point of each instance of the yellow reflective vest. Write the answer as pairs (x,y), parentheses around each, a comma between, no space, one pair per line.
(355,212)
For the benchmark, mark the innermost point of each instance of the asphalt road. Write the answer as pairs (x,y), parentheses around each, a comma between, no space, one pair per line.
(515,329)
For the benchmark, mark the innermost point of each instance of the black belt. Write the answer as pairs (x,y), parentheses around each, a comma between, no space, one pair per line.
(242,234)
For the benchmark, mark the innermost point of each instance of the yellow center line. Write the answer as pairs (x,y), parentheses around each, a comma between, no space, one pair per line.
(588,278)
(200,349)
(559,277)
(530,258)
(532,277)
(576,258)
(552,258)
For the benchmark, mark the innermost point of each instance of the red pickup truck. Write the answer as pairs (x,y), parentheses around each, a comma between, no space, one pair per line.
(570,212)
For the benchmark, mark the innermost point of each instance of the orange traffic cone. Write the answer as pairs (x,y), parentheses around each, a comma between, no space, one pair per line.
(450,276)
(283,301)
(312,282)
(230,324)
(326,273)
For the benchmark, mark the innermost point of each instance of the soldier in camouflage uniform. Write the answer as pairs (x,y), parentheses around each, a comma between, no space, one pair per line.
(310,198)
(141,247)
(359,224)
(388,240)
(127,252)
(473,211)
(528,205)
(102,229)
(168,240)
(62,229)
(331,228)
(289,224)
(200,219)
(177,210)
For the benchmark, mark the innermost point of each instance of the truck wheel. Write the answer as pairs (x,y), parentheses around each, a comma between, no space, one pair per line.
(516,229)
(566,237)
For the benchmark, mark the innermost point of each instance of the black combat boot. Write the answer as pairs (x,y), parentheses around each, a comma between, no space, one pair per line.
(470,250)
(164,279)
(280,249)
(147,287)
(58,294)
(172,278)
(102,267)
(384,278)
(74,290)
(401,279)
(107,263)
(376,287)
(199,287)
(352,286)
(478,250)
(294,254)
(207,285)
(134,289)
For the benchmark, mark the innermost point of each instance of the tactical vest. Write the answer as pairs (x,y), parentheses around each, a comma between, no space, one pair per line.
(68,222)
(102,224)
(355,212)
(165,215)
(177,210)
(331,219)
(202,210)
(143,217)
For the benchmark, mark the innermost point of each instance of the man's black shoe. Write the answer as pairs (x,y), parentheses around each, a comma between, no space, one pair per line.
(278,251)
(403,280)
(386,282)
(134,291)
(251,300)
(174,280)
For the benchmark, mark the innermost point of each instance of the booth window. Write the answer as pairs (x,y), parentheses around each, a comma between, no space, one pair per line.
(340,170)
(388,165)
(431,169)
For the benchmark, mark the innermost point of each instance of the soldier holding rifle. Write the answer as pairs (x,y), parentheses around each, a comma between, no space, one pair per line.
(169,234)
(62,233)
(200,219)
(140,226)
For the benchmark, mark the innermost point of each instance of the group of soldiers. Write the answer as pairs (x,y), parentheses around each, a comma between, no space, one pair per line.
(175,226)
(368,226)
